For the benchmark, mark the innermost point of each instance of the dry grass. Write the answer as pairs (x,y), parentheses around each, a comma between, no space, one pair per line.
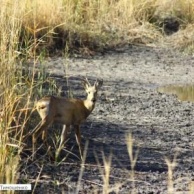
(133,158)
(16,92)
(183,40)
(182,9)
(171,166)
(9,34)
(95,24)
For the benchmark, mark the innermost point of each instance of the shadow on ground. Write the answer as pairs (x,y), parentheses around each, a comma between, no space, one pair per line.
(128,103)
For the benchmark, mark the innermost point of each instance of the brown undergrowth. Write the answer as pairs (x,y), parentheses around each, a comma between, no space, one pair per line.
(90,25)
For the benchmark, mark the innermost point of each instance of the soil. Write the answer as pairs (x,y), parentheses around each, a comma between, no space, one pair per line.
(161,125)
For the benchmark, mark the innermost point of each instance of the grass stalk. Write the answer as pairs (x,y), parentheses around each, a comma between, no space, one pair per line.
(106,175)
(82,168)
(171,166)
(133,158)
(105,171)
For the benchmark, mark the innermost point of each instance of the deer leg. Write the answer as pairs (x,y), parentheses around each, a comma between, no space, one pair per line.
(39,129)
(78,139)
(45,138)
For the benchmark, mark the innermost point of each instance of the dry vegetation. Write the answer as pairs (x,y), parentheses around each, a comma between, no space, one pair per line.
(83,26)
(89,25)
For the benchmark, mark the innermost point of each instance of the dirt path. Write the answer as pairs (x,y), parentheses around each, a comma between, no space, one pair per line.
(161,125)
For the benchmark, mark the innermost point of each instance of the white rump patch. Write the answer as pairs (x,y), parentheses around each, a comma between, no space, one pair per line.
(47,103)
(44,108)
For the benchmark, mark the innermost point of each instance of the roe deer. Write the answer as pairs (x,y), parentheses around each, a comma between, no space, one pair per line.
(67,112)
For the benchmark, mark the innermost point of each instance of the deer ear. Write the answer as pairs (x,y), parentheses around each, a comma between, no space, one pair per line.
(98,83)
(86,83)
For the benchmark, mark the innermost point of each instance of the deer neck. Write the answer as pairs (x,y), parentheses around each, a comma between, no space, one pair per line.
(89,105)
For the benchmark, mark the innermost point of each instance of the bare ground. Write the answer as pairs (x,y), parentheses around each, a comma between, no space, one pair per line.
(161,125)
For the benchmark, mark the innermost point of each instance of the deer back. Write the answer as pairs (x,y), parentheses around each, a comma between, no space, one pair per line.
(70,111)
(62,110)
